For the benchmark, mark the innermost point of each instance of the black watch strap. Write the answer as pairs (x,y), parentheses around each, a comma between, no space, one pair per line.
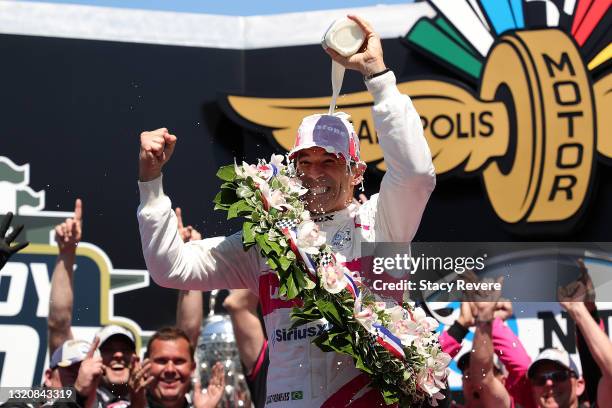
(371,76)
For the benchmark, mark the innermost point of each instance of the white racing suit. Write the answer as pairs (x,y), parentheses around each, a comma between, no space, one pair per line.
(301,375)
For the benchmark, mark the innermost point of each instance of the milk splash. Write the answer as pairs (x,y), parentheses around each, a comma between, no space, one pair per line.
(337,76)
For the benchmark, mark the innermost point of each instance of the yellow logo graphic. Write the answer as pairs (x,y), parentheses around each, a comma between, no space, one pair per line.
(533,131)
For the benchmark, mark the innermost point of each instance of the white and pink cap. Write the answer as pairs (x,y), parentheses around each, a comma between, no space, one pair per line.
(334,133)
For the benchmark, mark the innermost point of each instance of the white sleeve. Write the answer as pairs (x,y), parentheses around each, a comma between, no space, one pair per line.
(213,263)
(410,177)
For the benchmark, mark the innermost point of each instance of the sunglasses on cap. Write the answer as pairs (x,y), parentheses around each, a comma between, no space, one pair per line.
(554,376)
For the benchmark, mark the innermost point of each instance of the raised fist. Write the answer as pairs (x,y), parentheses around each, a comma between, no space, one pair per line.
(156,147)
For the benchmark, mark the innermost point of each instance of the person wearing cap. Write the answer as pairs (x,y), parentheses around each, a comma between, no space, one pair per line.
(483,380)
(64,371)
(471,393)
(555,381)
(511,360)
(327,160)
(118,350)
(65,363)
(117,345)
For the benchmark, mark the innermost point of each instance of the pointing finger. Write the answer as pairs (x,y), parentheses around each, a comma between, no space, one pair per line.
(78,210)
(94,346)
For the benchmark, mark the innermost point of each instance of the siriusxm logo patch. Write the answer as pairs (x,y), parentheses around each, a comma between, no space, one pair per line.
(300,333)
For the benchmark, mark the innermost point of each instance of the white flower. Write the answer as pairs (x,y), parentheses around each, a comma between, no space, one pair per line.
(427,323)
(438,361)
(277,161)
(295,186)
(273,198)
(245,170)
(272,169)
(309,238)
(305,215)
(406,331)
(427,382)
(332,278)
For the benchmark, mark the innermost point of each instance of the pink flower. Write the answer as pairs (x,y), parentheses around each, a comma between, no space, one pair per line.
(273,198)
(428,324)
(332,278)
(427,382)
(366,317)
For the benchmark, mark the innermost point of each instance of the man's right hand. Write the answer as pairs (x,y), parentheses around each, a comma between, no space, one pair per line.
(91,370)
(156,147)
(139,381)
(68,234)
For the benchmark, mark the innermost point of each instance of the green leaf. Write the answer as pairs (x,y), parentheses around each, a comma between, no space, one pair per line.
(248,235)
(239,208)
(225,197)
(263,244)
(361,366)
(284,263)
(272,263)
(276,248)
(292,290)
(227,173)
(329,311)
(390,397)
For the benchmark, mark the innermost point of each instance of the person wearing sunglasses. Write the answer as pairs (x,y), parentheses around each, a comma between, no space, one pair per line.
(554,379)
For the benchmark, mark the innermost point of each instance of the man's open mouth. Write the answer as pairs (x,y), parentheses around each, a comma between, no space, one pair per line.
(319,190)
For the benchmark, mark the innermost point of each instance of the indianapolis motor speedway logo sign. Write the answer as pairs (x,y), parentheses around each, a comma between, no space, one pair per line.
(535,127)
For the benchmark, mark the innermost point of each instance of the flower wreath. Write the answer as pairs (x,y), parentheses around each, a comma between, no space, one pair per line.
(395,346)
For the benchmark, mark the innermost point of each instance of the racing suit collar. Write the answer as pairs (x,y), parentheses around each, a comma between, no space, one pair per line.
(337,216)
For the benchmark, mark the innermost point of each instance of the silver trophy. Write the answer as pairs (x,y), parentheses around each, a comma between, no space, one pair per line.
(217,343)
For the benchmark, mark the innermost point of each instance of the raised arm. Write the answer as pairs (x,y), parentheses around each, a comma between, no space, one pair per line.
(213,263)
(241,305)
(508,346)
(189,309)
(450,340)
(410,177)
(573,298)
(492,391)
(481,370)
(67,235)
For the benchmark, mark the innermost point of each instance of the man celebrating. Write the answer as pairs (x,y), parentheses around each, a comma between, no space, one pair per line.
(327,159)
